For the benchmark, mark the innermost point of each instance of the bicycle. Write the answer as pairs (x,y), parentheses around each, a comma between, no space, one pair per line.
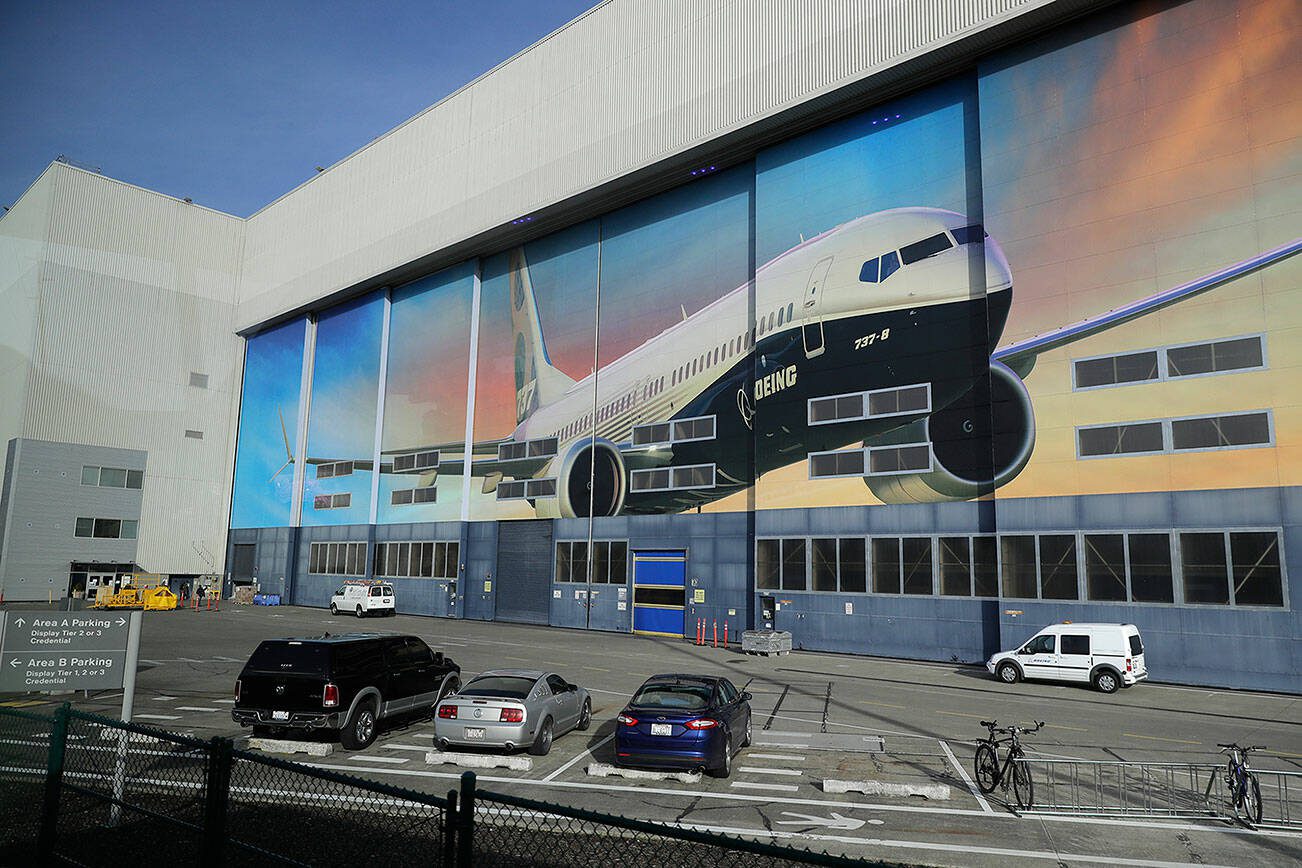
(1241,783)
(989,774)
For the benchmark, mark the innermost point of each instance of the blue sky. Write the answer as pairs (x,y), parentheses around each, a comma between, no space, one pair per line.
(234,103)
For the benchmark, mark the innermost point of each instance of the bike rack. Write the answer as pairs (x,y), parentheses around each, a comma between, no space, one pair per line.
(1118,788)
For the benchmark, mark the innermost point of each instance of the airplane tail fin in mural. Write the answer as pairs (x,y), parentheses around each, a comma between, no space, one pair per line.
(536,381)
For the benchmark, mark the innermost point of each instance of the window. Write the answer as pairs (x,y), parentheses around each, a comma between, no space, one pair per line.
(1058,567)
(1215,432)
(416,461)
(112,477)
(919,250)
(334,468)
(696,476)
(853,565)
(672,478)
(890,264)
(1205,575)
(108,528)
(1129,439)
(649,480)
(699,428)
(849,462)
(1254,559)
(199,381)
(1235,354)
(985,573)
(837,408)
(89,475)
(1075,645)
(886,565)
(404,496)
(1115,370)
(782,315)
(85,527)
(768,564)
(194,435)
(793,565)
(891,402)
(535,488)
(1149,557)
(135,479)
(969,234)
(337,558)
(1018,566)
(1041,645)
(955,567)
(332,501)
(868,273)
(128,528)
(415,560)
(1105,566)
(604,562)
(917,565)
(823,564)
(886,460)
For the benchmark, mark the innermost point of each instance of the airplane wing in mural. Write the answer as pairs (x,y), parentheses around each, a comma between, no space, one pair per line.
(1021,356)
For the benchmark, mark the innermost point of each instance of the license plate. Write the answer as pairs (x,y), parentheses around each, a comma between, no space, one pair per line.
(474,732)
(280,715)
(662,729)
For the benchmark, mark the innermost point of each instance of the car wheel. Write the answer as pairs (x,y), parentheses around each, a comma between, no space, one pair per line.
(359,610)
(542,742)
(725,769)
(585,716)
(745,742)
(359,731)
(334,610)
(1106,682)
(1009,673)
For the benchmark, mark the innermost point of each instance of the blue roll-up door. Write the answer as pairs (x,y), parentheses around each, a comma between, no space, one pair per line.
(524,571)
(659,578)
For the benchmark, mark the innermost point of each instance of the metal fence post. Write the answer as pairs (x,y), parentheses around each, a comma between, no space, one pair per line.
(53,785)
(450,831)
(466,822)
(217,787)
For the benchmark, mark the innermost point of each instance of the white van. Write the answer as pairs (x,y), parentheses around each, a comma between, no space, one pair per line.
(363,598)
(1105,655)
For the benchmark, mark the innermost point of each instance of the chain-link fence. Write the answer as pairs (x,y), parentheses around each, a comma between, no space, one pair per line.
(87,790)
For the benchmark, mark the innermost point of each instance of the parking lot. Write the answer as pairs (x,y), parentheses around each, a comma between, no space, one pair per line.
(817,721)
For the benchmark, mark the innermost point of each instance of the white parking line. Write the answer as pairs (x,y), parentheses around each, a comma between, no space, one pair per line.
(779,744)
(164,698)
(378,759)
(406,747)
(195,708)
(587,752)
(971,787)
(158,716)
(227,659)
(776,756)
(225,701)
(782,788)
(763,771)
(189,660)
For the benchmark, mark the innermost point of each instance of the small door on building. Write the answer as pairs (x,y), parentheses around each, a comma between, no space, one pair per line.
(811,309)
(659,578)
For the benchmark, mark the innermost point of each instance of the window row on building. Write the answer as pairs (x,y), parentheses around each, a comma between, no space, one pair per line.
(1189,434)
(337,558)
(1238,567)
(332,501)
(544,447)
(526,489)
(331,469)
(875,404)
(105,528)
(417,560)
(407,496)
(677,431)
(112,477)
(415,461)
(604,562)
(1172,362)
(873,461)
(672,478)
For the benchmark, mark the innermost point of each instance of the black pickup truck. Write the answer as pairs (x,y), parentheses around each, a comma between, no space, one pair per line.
(346,683)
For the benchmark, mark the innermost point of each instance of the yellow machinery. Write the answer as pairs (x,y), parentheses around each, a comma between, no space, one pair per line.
(159,599)
(139,591)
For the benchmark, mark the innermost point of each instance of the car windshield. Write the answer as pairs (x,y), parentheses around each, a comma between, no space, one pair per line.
(284,656)
(675,696)
(502,686)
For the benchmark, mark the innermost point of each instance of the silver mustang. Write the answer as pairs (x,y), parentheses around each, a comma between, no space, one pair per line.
(512,708)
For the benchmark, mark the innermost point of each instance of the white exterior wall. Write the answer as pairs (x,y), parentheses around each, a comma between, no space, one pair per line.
(136,291)
(22,254)
(624,86)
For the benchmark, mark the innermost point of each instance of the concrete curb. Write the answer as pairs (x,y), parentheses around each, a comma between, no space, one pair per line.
(880,788)
(116,734)
(605,770)
(280,745)
(479,760)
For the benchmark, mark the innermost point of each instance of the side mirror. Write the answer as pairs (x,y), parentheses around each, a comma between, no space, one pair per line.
(571,688)
(745,696)
(438,656)
(1023,651)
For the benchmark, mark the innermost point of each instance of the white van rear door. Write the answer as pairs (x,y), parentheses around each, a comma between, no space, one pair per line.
(1135,649)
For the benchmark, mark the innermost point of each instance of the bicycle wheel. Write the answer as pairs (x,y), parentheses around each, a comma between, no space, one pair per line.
(1251,799)
(1023,786)
(986,766)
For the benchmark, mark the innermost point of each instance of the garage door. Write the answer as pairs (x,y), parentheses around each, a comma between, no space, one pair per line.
(658,580)
(524,571)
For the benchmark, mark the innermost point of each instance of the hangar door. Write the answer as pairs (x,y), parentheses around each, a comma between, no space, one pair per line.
(658,586)
(524,571)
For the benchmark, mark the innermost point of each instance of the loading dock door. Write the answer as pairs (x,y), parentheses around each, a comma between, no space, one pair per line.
(524,571)
(659,578)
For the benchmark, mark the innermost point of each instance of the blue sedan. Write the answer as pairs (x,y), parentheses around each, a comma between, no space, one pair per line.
(684,721)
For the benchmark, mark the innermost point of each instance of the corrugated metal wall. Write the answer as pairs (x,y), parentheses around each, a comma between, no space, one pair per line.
(137,292)
(22,252)
(622,87)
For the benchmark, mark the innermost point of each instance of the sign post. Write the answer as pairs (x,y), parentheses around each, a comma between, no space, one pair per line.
(75,651)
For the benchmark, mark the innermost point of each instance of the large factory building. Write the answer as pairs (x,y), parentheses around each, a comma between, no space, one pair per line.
(907,327)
